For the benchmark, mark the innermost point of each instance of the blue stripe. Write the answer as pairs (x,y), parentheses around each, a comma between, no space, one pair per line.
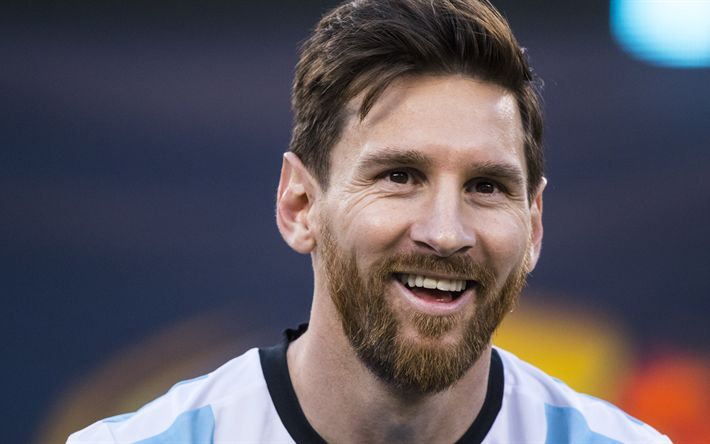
(193,426)
(629,417)
(567,425)
(125,416)
(119,418)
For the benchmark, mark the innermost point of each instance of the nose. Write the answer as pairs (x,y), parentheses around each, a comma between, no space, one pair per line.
(441,226)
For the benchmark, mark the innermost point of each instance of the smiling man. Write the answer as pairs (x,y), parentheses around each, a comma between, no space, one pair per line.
(414,181)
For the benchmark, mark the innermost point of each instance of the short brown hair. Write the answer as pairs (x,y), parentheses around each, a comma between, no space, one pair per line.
(363,45)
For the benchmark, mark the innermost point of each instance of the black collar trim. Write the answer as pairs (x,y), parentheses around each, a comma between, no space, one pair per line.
(275,368)
(278,381)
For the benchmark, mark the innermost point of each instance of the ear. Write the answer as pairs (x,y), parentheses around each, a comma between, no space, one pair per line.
(536,230)
(294,202)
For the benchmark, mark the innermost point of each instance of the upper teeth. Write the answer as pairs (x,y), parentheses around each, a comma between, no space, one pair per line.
(417,280)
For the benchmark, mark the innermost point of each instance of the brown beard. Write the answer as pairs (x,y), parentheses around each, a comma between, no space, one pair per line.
(374,332)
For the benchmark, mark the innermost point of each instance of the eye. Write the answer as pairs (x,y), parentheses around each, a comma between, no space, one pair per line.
(484,186)
(399,177)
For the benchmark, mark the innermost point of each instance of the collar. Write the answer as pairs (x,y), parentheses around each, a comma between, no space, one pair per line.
(278,381)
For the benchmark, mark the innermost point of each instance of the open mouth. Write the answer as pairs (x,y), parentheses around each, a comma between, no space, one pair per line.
(432,289)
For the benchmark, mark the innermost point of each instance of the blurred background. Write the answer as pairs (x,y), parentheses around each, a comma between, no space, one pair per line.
(140,146)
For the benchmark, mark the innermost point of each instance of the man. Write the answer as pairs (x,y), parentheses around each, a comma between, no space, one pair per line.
(415,182)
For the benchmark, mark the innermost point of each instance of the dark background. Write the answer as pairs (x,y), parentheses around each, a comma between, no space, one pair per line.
(140,147)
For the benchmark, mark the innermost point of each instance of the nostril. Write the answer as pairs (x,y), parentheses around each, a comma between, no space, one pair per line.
(443,250)
(442,241)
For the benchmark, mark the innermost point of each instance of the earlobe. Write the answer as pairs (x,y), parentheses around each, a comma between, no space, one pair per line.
(536,229)
(294,202)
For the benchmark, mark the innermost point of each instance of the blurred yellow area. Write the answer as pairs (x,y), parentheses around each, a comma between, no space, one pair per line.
(586,350)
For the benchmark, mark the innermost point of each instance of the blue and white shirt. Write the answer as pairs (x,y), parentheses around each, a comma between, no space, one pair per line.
(250,399)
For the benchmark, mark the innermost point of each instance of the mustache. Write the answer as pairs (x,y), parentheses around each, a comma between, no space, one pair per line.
(460,267)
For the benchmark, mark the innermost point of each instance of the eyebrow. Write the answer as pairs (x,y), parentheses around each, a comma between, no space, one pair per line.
(397,157)
(391,156)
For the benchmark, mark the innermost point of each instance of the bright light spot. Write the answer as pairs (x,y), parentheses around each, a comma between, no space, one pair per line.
(673,33)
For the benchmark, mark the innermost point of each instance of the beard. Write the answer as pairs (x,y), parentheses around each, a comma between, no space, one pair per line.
(375,333)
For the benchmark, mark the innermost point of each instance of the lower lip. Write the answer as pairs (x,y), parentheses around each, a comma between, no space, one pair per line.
(436,308)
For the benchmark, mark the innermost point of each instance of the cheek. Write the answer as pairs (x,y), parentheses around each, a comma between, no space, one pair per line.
(373,228)
(504,240)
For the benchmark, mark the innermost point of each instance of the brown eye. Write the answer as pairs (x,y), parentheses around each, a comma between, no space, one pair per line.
(485,187)
(399,177)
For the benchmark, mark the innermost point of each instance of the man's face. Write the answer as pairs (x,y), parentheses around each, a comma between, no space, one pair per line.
(427,191)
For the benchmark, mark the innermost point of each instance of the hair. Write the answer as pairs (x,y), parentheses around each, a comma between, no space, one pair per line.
(362,46)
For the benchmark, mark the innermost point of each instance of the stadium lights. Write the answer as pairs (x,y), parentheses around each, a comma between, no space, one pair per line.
(671,33)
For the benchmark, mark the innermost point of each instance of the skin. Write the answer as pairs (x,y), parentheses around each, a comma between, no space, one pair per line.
(436,167)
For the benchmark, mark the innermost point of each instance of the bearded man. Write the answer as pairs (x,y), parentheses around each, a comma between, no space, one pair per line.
(415,182)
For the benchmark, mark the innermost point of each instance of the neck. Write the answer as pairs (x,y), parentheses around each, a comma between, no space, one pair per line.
(344,402)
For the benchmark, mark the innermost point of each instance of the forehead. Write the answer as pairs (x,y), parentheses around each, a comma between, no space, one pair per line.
(450,118)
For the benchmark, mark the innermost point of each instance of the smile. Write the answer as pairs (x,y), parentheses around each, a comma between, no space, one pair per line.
(436,295)
(418,280)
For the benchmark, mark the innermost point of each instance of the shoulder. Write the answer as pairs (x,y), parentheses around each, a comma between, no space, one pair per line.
(541,405)
(188,410)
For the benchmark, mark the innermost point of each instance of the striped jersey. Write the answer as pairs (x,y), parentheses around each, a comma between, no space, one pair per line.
(250,399)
